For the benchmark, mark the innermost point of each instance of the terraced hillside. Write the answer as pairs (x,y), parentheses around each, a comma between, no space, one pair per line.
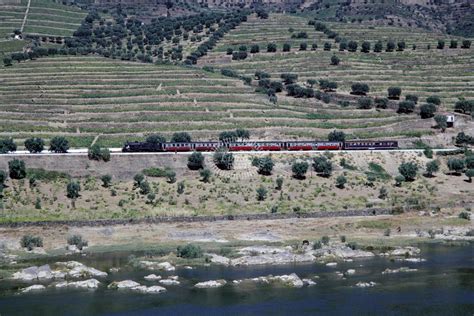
(87,98)
(447,73)
(44,18)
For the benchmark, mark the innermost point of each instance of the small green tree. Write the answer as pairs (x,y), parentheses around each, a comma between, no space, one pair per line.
(189,251)
(223,159)
(364,103)
(336,136)
(360,88)
(341,181)
(181,137)
(399,180)
(469,174)
(261,193)
(72,190)
(408,170)
(180,188)
(431,168)
(106,180)
(299,169)
(205,175)
(155,139)
(406,107)
(34,145)
(456,165)
(138,178)
(335,60)
(17,169)
(411,97)
(196,161)
(322,166)
(59,144)
(365,47)
(394,93)
(265,165)
(279,183)
(427,110)
(441,122)
(440,44)
(171,176)
(145,188)
(378,47)
(7,145)
(434,99)
(286,47)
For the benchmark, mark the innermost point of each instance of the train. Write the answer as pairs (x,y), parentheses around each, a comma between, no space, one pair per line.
(259,146)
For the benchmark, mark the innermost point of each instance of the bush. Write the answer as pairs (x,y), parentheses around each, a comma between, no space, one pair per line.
(342,238)
(299,169)
(456,165)
(29,242)
(34,145)
(469,174)
(303,46)
(264,165)
(387,232)
(279,183)
(378,47)
(365,47)
(259,75)
(78,241)
(390,46)
(286,47)
(189,251)
(434,99)
(440,44)
(59,144)
(317,245)
(205,175)
(465,215)
(411,97)
(383,193)
(325,240)
(406,107)
(271,47)
(441,121)
(180,188)
(72,190)
(466,44)
(138,178)
(336,136)
(364,103)
(464,106)
(352,46)
(327,46)
(95,152)
(181,137)
(155,139)
(427,110)
(7,145)
(289,78)
(322,166)
(170,176)
(261,193)
(394,93)
(196,161)
(335,60)
(106,180)
(17,169)
(408,170)
(223,159)
(398,180)
(341,181)
(144,187)
(360,88)
(381,103)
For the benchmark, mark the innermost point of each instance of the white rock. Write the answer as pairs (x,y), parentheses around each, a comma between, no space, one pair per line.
(169,282)
(366,284)
(350,271)
(152,277)
(331,264)
(402,251)
(84,271)
(173,277)
(291,280)
(415,260)
(86,284)
(38,251)
(402,269)
(158,265)
(218,259)
(36,287)
(27,274)
(114,270)
(308,282)
(126,284)
(188,267)
(252,250)
(151,289)
(210,284)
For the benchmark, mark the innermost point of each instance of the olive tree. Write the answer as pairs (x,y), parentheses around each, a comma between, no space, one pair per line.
(431,168)
(322,166)
(34,145)
(456,165)
(59,144)
(394,93)
(223,159)
(205,175)
(336,136)
(341,181)
(181,137)
(469,174)
(441,122)
(17,169)
(360,88)
(427,110)
(299,169)
(196,161)
(72,190)
(408,170)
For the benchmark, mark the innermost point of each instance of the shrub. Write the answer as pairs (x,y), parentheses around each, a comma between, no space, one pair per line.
(322,166)
(411,97)
(408,170)
(279,183)
(335,60)
(299,169)
(327,85)
(342,238)
(365,47)
(383,193)
(325,240)
(466,44)
(78,241)
(106,180)
(259,75)
(406,107)
(180,188)
(359,88)
(229,50)
(464,106)
(229,73)
(381,103)
(181,137)
(327,46)
(205,175)
(390,46)
(434,99)
(398,180)
(336,136)
(144,187)
(29,242)
(138,178)
(170,176)
(34,145)
(59,144)
(286,47)
(314,46)
(17,169)
(311,82)
(223,159)
(465,215)
(7,145)
(190,251)
(264,165)
(254,49)
(432,167)
(341,181)
(352,46)
(401,46)
(72,190)
(271,47)
(440,44)
(289,78)
(387,232)
(7,61)
(317,245)
(155,139)
(303,46)
(441,121)
(427,110)
(261,193)
(378,47)
(342,46)
(364,103)
(196,161)
(95,152)
(394,93)
(456,165)
(469,174)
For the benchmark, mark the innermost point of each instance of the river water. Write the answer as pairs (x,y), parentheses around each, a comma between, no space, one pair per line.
(443,285)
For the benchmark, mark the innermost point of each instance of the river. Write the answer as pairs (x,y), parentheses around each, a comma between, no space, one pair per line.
(443,285)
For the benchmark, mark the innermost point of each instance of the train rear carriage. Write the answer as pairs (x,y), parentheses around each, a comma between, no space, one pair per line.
(370,145)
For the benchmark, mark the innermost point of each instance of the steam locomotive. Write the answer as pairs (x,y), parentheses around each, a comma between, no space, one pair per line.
(259,146)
